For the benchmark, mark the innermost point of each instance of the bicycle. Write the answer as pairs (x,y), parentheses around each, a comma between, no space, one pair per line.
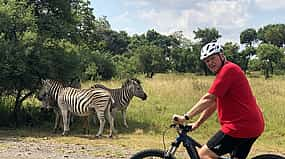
(190,144)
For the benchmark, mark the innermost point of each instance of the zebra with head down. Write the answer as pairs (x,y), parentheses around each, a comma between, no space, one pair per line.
(80,102)
(122,96)
(49,102)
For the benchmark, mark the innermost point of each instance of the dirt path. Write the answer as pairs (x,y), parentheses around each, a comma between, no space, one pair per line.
(15,148)
(19,145)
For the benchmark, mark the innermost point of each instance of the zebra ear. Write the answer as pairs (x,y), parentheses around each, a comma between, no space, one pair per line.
(43,82)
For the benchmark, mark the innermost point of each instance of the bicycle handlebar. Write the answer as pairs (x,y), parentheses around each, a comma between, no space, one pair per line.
(184,128)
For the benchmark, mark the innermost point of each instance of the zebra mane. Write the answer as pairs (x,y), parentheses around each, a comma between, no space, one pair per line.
(137,80)
(129,80)
(73,83)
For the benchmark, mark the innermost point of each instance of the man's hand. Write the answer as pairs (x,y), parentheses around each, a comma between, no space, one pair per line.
(178,119)
(194,126)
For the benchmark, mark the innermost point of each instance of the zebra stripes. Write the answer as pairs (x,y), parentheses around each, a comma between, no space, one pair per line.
(80,102)
(122,96)
(50,102)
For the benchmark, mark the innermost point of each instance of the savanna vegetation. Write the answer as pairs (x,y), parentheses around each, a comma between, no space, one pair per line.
(65,40)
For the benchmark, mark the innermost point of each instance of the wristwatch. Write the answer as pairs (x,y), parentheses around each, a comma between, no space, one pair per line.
(186,116)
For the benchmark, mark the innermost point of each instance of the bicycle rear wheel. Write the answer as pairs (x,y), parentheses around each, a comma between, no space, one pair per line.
(151,154)
(268,156)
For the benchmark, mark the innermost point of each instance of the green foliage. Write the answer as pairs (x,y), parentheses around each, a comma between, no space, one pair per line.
(116,43)
(254,65)
(272,34)
(96,65)
(184,60)
(207,35)
(151,59)
(29,115)
(126,65)
(269,55)
(248,36)
(231,52)
(59,60)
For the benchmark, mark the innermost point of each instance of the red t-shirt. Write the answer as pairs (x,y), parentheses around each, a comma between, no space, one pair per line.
(238,113)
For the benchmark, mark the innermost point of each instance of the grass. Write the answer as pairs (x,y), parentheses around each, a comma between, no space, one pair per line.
(170,94)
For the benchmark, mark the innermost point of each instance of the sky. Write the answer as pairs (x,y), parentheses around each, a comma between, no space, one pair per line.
(229,17)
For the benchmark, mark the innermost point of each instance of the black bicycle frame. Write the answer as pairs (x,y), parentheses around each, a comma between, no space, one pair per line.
(189,143)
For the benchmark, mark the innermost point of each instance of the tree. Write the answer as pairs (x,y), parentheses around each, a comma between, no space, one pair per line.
(248,37)
(115,42)
(96,65)
(207,35)
(268,55)
(272,34)
(231,52)
(18,60)
(246,55)
(151,59)
(37,41)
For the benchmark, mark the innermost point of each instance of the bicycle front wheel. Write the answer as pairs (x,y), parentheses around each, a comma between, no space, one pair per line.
(151,154)
(268,156)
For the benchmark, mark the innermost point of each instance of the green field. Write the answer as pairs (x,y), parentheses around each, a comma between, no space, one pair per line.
(170,94)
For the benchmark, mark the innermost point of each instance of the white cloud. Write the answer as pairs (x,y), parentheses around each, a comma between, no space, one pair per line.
(270,4)
(225,15)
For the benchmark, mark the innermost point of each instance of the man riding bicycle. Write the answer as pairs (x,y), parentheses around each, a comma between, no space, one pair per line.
(239,115)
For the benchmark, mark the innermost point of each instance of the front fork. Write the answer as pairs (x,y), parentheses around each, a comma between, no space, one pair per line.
(191,150)
(172,149)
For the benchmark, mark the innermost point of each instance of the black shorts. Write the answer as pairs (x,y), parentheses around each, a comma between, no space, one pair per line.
(222,144)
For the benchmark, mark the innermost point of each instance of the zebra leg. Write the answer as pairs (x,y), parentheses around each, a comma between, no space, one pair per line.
(65,122)
(124,114)
(111,122)
(69,118)
(110,114)
(86,125)
(57,120)
(102,121)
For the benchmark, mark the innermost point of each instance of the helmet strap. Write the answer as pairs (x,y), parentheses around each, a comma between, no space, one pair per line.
(223,61)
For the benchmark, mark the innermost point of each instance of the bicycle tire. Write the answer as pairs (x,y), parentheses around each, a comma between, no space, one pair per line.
(268,156)
(151,153)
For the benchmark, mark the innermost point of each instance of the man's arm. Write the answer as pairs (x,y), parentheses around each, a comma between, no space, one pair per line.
(204,116)
(207,101)
(207,105)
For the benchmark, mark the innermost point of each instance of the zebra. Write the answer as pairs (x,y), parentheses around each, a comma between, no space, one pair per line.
(51,103)
(122,96)
(80,102)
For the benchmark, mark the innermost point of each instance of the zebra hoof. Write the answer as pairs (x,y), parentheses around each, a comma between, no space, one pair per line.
(65,133)
(98,136)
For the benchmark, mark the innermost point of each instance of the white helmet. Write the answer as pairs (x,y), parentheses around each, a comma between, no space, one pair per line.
(210,49)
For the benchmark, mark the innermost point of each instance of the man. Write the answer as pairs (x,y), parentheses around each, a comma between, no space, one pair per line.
(239,115)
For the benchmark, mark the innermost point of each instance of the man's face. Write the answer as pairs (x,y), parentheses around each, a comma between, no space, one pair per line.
(214,62)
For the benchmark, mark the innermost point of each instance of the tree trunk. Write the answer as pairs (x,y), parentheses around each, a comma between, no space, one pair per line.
(266,73)
(246,65)
(18,104)
(17,108)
